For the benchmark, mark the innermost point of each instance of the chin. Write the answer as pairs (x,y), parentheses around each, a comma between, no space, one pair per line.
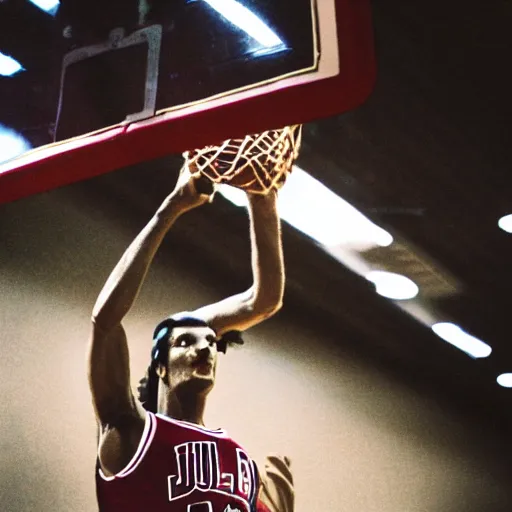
(201,383)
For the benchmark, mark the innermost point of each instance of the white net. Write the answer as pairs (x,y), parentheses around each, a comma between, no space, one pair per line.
(256,163)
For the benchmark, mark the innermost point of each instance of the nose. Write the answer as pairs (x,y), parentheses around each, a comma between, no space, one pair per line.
(203,345)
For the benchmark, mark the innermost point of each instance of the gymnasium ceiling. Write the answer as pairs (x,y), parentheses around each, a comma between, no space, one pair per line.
(427,157)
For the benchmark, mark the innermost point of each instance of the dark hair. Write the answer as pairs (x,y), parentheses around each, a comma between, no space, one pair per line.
(148,385)
(148,389)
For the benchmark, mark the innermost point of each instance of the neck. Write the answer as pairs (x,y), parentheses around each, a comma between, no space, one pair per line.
(184,406)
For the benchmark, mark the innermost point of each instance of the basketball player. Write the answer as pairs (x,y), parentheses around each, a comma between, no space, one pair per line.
(155,454)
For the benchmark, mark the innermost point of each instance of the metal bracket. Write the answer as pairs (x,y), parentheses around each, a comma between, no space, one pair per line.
(151,35)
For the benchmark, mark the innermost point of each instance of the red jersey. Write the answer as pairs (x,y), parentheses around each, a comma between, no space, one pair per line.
(182,467)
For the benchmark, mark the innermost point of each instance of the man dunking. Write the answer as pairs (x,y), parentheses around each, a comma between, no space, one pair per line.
(154,453)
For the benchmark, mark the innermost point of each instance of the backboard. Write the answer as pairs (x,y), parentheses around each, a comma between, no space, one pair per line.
(102,85)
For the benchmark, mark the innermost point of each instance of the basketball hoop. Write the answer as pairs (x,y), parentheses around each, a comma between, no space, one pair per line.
(257,163)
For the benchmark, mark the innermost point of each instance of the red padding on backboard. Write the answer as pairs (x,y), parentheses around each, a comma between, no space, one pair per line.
(93,155)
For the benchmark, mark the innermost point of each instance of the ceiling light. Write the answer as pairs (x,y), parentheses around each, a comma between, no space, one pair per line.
(12,144)
(454,335)
(505,380)
(505,223)
(234,195)
(9,66)
(393,286)
(49,6)
(317,211)
(246,20)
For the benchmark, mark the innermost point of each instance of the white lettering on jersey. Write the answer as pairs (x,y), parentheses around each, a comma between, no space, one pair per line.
(203,506)
(229,509)
(198,468)
(245,476)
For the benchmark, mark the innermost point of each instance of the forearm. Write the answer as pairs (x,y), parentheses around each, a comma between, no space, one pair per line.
(125,281)
(266,253)
(264,297)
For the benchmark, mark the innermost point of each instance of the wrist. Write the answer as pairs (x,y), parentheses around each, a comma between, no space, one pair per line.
(269,197)
(263,204)
(171,208)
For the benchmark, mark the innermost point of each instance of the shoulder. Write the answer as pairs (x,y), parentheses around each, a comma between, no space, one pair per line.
(171,424)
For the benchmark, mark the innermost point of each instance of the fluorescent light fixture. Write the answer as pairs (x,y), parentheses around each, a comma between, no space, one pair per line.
(246,20)
(505,223)
(9,66)
(12,144)
(234,195)
(49,6)
(505,380)
(393,286)
(317,211)
(457,337)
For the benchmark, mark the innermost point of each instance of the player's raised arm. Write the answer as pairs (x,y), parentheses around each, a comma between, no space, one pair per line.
(264,297)
(117,411)
(123,285)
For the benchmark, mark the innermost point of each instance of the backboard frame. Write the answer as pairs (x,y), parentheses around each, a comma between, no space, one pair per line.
(110,149)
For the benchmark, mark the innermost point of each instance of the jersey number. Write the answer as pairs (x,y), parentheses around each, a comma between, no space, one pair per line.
(206,506)
(203,506)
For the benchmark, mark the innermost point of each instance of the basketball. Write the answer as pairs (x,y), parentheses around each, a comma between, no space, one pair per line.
(256,163)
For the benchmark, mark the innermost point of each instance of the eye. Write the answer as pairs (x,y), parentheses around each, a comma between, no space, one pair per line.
(185,340)
(211,340)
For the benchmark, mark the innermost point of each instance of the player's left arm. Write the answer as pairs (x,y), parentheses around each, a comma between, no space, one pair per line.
(264,298)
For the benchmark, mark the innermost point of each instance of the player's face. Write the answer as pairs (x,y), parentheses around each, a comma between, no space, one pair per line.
(192,358)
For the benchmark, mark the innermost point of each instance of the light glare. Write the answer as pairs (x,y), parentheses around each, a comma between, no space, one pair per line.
(505,223)
(12,144)
(318,212)
(235,195)
(393,286)
(8,65)
(457,337)
(505,380)
(246,20)
(49,6)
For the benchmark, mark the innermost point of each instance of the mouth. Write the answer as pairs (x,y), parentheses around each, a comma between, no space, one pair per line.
(202,366)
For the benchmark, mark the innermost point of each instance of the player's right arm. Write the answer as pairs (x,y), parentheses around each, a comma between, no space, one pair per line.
(264,297)
(119,414)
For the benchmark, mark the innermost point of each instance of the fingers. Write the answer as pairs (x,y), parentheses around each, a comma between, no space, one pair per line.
(192,190)
(204,186)
(183,178)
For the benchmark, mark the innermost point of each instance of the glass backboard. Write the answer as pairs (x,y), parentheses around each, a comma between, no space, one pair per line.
(87,87)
